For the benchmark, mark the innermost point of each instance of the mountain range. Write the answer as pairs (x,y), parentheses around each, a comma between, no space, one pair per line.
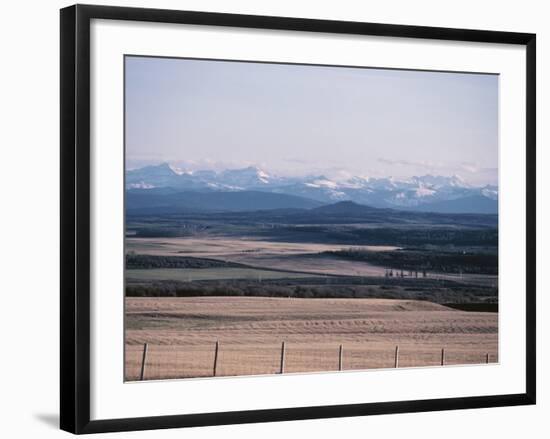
(167,188)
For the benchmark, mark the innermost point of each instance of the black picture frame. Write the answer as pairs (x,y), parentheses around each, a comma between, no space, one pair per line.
(75,217)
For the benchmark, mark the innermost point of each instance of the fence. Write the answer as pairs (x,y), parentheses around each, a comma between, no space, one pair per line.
(149,362)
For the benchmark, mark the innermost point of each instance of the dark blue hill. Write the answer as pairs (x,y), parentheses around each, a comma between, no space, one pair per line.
(151,201)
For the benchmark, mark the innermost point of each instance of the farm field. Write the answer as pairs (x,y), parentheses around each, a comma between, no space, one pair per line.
(181,334)
(283,256)
(222,246)
(220,273)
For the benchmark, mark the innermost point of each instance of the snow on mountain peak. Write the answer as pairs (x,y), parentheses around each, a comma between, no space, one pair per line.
(490,192)
(438,181)
(374,191)
(322,183)
(423,191)
(176,170)
(140,185)
(250,176)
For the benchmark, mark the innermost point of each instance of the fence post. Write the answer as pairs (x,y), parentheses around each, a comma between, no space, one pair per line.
(396,357)
(216,358)
(487,358)
(143,360)
(341,358)
(282,369)
(443,357)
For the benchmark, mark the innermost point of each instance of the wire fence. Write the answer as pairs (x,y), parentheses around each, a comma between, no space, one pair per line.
(156,362)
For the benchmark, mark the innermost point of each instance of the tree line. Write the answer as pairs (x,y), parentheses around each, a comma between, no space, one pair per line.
(422,261)
(136,261)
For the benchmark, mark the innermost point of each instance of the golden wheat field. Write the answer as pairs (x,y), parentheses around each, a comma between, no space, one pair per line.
(181,334)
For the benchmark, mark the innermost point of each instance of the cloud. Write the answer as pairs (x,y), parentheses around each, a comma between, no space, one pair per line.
(419,163)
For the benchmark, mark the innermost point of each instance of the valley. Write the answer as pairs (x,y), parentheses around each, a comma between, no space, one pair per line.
(250,268)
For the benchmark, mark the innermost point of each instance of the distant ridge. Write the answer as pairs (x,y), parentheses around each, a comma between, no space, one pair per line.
(151,201)
(344,208)
(427,193)
(473,204)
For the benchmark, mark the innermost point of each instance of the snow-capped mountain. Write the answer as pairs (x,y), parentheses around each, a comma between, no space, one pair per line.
(164,175)
(417,192)
(246,178)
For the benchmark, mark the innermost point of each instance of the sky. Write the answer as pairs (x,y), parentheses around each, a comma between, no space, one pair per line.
(296,120)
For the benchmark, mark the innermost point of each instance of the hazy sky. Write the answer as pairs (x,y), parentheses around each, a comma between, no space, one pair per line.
(294,120)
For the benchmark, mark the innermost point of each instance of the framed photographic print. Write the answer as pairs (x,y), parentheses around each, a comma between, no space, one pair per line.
(268,218)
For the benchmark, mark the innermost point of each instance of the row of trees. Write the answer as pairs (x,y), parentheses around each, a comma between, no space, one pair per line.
(471,294)
(424,261)
(135,261)
(390,273)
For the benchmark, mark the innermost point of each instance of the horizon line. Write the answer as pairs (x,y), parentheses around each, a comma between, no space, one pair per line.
(319,173)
